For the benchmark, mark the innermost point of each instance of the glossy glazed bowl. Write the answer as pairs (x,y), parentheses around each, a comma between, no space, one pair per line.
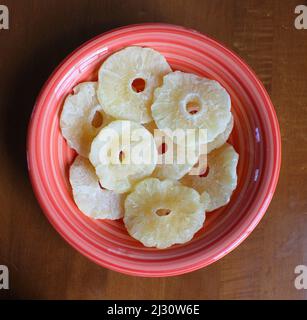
(256,138)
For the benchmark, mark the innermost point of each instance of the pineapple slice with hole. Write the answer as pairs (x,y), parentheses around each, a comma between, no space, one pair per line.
(221,139)
(123,153)
(90,198)
(186,101)
(162,213)
(219,179)
(127,80)
(174,160)
(82,117)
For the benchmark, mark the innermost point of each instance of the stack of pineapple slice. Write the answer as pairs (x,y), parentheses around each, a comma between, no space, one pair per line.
(128,166)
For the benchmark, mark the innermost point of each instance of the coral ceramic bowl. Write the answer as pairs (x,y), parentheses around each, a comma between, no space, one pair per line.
(256,138)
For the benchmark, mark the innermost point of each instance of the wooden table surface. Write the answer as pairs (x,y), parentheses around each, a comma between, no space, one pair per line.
(41,34)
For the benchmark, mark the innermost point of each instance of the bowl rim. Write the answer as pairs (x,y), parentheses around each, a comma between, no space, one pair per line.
(249,228)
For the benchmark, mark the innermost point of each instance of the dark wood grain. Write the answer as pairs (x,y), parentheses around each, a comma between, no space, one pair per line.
(41,34)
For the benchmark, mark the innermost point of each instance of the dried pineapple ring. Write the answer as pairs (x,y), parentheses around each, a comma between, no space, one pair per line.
(168,150)
(162,213)
(123,153)
(221,179)
(118,91)
(90,198)
(221,138)
(82,117)
(186,101)
(174,160)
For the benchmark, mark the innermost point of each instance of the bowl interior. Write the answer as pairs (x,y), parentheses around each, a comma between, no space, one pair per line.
(255,137)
